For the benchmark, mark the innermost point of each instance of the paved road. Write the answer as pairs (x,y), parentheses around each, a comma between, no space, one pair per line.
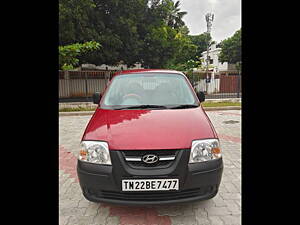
(225,208)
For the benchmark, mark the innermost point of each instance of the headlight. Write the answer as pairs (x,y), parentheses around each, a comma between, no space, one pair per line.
(95,152)
(204,150)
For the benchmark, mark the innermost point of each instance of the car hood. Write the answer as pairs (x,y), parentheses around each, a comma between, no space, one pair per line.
(149,129)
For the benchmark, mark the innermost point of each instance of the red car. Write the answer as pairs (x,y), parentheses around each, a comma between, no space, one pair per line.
(149,142)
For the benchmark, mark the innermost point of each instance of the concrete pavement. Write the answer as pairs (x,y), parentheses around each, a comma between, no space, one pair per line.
(224,208)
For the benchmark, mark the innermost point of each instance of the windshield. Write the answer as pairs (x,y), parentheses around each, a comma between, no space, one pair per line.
(148,90)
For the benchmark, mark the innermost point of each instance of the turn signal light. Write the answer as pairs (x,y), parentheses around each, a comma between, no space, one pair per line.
(216,150)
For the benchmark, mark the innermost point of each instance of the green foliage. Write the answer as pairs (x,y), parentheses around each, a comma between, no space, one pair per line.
(78,109)
(190,50)
(188,65)
(162,32)
(201,41)
(174,15)
(186,49)
(129,31)
(68,55)
(231,49)
(67,67)
(161,47)
(75,21)
(220,104)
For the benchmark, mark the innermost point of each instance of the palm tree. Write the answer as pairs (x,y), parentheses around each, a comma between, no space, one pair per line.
(175,16)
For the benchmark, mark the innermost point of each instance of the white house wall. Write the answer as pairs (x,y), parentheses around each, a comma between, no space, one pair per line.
(214,55)
(212,87)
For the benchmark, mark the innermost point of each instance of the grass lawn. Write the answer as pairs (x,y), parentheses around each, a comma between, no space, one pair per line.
(204,104)
(220,104)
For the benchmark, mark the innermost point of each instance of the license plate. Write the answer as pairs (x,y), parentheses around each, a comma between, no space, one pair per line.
(150,185)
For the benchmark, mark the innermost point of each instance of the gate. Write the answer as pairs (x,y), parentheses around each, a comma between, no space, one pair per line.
(230,84)
(217,86)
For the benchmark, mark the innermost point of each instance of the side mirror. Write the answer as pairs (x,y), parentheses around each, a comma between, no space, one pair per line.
(96,97)
(201,96)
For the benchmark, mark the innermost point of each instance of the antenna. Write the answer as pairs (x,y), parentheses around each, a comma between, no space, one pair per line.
(209,19)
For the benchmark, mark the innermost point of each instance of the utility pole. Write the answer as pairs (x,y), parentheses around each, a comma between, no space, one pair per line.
(209,17)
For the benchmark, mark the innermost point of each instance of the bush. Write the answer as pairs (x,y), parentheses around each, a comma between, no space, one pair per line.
(68,55)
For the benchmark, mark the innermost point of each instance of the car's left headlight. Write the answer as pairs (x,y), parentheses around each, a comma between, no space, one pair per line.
(95,152)
(205,150)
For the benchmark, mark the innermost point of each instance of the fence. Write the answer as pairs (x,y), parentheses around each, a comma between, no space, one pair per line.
(217,86)
(80,85)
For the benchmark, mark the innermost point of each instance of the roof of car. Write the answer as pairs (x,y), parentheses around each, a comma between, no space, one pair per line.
(146,71)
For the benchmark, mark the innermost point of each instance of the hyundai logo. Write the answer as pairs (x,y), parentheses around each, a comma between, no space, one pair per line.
(150,159)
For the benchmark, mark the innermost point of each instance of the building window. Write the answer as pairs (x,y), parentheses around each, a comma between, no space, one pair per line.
(211,61)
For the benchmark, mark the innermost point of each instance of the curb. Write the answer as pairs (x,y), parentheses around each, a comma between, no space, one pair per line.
(88,113)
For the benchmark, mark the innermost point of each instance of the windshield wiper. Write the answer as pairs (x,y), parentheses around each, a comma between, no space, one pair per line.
(184,106)
(142,107)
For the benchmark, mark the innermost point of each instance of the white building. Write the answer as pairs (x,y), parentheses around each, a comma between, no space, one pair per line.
(219,67)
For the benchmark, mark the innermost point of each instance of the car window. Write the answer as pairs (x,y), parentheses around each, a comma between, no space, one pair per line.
(148,89)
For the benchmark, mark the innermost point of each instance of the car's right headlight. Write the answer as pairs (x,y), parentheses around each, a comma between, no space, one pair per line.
(205,150)
(95,152)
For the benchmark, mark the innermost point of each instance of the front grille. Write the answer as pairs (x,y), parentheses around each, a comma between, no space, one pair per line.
(141,153)
(145,152)
(157,164)
(154,195)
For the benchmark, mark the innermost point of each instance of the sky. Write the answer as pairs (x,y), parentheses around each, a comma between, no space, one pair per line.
(227,17)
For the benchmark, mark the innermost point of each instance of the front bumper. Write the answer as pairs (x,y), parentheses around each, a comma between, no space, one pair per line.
(102,183)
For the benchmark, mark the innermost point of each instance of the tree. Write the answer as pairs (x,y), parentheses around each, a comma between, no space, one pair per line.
(120,35)
(201,41)
(190,49)
(68,55)
(165,36)
(187,66)
(186,49)
(231,49)
(129,31)
(75,21)
(168,12)
(174,18)
(161,47)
